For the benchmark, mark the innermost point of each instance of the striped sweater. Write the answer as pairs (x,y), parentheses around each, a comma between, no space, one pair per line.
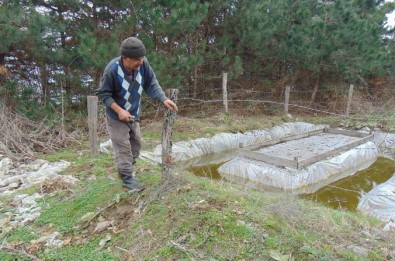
(125,87)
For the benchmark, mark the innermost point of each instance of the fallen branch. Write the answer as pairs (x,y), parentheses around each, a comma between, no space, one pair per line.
(99,212)
(184,249)
(103,209)
(155,194)
(19,252)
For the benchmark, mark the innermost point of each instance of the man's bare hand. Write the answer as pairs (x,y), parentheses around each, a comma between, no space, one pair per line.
(170,105)
(124,115)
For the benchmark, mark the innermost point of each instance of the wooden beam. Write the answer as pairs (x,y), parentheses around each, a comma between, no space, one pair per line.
(167,132)
(287,94)
(225,91)
(251,151)
(347,133)
(283,139)
(92,123)
(269,159)
(335,152)
(349,100)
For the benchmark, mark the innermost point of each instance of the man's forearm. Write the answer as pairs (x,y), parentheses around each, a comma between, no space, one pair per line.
(123,114)
(115,107)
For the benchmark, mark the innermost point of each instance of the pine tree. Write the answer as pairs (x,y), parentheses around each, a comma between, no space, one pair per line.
(11,20)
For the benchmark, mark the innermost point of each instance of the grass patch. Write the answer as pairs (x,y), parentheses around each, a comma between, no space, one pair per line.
(9,256)
(85,166)
(89,251)
(68,154)
(64,215)
(22,234)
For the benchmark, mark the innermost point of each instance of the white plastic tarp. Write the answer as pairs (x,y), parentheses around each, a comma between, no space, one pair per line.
(385,143)
(186,150)
(307,179)
(380,202)
(196,152)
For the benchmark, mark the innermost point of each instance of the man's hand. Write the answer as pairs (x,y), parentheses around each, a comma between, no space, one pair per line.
(170,105)
(123,115)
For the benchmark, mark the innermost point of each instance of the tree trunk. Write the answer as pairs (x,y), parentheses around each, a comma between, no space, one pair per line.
(6,97)
(44,83)
(3,69)
(320,65)
(195,71)
(167,132)
(316,87)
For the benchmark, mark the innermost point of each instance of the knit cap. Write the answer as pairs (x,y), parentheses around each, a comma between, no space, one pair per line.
(133,48)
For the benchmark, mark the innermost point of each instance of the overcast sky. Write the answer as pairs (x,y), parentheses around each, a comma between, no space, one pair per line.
(391,17)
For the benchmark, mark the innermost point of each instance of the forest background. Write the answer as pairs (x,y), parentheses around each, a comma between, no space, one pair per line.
(53,52)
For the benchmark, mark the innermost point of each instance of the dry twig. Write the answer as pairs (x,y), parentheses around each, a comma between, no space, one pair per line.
(22,138)
(19,252)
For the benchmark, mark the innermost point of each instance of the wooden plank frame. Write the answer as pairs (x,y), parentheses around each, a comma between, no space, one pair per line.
(250,151)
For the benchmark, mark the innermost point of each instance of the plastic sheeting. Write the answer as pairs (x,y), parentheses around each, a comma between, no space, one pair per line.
(26,175)
(197,152)
(385,143)
(380,203)
(305,180)
(186,150)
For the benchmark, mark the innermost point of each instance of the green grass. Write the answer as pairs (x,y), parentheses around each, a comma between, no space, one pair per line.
(22,234)
(64,215)
(65,154)
(10,256)
(90,251)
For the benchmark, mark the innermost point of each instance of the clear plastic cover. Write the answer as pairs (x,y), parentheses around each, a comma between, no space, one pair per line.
(380,202)
(186,150)
(305,180)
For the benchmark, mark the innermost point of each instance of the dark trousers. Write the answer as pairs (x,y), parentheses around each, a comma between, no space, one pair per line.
(126,142)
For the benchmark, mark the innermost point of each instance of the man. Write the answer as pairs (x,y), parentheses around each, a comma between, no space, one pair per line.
(120,89)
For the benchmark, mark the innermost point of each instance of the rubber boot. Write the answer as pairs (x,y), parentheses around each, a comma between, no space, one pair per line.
(130,183)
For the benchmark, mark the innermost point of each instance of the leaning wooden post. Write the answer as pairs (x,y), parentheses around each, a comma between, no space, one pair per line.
(92,123)
(167,133)
(286,103)
(225,91)
(350,91)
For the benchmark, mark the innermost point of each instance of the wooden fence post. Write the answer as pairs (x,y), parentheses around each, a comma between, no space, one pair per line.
(350,92)
(224,90)
(286,103)
(167,133)
(92,123)
(62,99)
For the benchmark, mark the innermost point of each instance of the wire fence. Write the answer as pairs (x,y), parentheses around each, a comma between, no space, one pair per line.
(343,102)
(253,96)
